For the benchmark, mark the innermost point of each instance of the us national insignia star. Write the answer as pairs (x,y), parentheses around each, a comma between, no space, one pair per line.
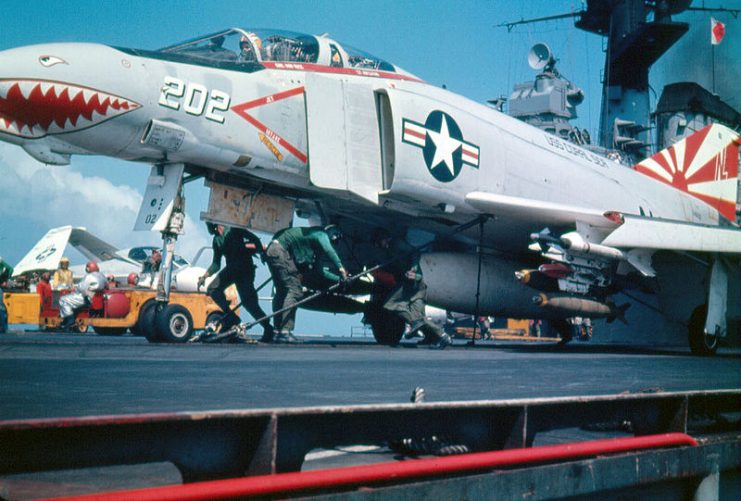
(443,147)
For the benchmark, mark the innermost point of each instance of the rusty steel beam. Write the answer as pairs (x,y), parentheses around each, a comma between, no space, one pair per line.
(227,444)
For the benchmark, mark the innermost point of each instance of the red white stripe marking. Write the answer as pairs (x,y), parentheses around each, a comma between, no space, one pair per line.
(470,154)
(320,68)
(241,110)
(415,134)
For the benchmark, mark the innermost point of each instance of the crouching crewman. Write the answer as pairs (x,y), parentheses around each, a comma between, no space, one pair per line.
(94,281)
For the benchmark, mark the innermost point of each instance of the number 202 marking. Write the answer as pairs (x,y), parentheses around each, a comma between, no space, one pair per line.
(195,99)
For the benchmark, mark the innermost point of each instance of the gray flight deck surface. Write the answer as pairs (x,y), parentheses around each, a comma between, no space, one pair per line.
(55,375)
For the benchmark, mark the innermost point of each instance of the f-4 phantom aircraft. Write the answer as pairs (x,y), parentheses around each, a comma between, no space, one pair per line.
(521,223)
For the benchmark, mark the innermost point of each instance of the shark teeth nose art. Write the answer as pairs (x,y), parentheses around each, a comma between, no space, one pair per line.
(36,108)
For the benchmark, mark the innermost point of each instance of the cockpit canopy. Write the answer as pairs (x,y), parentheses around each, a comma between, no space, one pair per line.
(244,47)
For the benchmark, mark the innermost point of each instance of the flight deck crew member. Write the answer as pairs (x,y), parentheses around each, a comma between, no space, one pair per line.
(291,251)
(94,281)
(238,246)
(153,262)
(63,276)
(43,289)
(407,299)
(6,271)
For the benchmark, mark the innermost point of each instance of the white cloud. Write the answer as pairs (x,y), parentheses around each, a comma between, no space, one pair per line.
(54,196)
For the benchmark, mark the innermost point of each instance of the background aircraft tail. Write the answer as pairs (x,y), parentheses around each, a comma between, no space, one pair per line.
(705,165)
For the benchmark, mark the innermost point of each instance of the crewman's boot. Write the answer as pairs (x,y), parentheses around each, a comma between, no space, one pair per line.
(287,337)
(414,330)
(67,323)
(267,334)
(442,343)
(230,320)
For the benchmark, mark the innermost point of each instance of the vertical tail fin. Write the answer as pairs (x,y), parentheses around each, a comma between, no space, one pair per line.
(705,165)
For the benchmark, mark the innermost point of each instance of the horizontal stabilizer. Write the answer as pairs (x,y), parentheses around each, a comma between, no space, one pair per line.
(647,233)
(544,213)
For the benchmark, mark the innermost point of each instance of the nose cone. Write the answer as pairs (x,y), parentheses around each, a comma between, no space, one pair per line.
(49,89)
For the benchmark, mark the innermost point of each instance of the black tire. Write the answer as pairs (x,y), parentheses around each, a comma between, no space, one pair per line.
(174,324)
(214,317)
(137,329)
(78,327)
(146,324)
(701,344)
(387,328)
(110,331)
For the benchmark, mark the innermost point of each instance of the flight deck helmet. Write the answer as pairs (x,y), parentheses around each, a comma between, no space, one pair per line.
(248,45)
(91,266)
(380,235)
(333,232)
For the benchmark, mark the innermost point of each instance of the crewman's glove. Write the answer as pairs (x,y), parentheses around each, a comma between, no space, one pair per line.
(201,282)
(344,285)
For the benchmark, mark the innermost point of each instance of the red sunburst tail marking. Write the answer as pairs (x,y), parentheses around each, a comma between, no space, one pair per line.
(704,165)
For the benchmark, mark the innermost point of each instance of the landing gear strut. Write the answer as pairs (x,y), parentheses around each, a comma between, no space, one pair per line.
(163,210)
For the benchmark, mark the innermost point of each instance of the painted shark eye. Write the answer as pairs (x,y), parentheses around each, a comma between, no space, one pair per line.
(51,60)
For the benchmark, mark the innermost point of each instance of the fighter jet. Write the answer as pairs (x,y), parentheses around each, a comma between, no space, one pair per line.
(278,122)
(46,254)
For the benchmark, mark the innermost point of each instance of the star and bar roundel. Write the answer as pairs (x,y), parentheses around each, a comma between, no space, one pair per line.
(443,147)
(705,165)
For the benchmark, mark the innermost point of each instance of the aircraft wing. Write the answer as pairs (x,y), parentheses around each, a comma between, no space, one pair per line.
(544,213)
(635,232)
(648,233)
(47,252)
(92,247)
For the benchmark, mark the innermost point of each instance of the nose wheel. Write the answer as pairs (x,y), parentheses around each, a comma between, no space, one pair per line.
(174,324)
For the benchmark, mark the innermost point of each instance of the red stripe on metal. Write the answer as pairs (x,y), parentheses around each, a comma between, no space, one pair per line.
(726,208)
(269,99)
(275,137)
(693,144)
(241,110)
(650,173)
(318,68)
(470,151)
(706,173)
(670,165)
(414,133)
(389,472)
(722,166)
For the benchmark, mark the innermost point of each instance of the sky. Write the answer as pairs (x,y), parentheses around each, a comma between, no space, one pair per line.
(456,44)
